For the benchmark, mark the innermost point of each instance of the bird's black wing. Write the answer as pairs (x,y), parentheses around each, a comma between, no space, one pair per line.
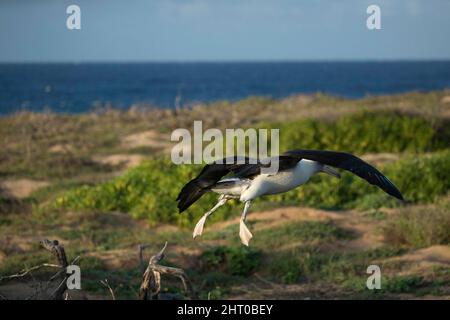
(351,163)
(251,170)
(240,167)
(211,174)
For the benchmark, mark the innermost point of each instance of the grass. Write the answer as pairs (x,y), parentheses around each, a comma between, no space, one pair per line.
(145,192)
(303,232)
(420,227)
(19,262)
(310,263)
(240,261)
(148,191)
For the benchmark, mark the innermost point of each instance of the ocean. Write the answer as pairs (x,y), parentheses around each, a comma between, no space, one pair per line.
(74,88)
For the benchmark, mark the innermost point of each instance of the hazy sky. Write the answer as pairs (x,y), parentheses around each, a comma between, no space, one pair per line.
(187,30)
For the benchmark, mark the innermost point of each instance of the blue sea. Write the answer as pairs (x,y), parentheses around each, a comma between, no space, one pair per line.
(75,88)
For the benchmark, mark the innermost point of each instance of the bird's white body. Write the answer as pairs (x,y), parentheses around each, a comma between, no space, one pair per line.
(280,182)
(264,184)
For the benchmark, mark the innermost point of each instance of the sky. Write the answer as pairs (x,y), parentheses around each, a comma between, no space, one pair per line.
(223,30)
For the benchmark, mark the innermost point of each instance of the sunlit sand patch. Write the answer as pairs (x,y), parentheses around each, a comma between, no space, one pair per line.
(126,160)
(434,255)
(380,158)
(61,148)
(445,99)
(150,138)
(21,188)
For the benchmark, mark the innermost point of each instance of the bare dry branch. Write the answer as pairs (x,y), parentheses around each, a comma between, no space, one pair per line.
(151,282)
(111,291)
(141,249)
(58,251)
(25,272)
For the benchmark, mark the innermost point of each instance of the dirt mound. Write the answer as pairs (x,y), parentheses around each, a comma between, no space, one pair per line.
(61,148)
(265,289)
(125,160)
(11,244)
(445,99)
(279,216)
(150,138)
(362,227)
(434,255)
(21,188)
(117,259)
(380,158)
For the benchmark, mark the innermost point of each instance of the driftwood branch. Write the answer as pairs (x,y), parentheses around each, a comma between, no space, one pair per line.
(105,283)
(25,272)
(58,251)
(151,282)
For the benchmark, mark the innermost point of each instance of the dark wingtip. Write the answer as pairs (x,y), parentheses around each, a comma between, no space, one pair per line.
(190,193)
(400,197)
(396,194)
(392,190)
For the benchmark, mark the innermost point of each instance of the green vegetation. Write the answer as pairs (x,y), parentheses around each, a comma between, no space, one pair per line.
(366,132)
(240,261)
(403,284)
(303,232)
(149,191)
(419,227)
(311,263)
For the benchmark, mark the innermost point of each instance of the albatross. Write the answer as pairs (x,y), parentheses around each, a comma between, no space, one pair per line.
(248,180)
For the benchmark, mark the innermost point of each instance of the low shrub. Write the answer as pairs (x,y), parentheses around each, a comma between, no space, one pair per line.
(419,227)
(366,132)
(238,261)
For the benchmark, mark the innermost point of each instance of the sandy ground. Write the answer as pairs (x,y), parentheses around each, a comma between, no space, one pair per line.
(150,138)
(21,188)
(126,161)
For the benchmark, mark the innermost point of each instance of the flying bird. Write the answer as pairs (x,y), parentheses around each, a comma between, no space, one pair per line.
(248,180)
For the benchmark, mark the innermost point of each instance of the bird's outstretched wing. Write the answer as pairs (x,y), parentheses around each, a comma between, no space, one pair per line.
(210,175)
(351,163)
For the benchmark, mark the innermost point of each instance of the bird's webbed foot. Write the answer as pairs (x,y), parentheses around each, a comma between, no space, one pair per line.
(244,233)
(198,230)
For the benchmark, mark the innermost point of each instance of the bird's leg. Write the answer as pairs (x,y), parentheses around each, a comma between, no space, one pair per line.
(244,233)
(198,230)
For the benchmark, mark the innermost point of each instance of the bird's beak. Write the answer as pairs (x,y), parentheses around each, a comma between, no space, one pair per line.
(331,171)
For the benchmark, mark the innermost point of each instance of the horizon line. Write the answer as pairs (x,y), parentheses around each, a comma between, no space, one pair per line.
(225,61)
